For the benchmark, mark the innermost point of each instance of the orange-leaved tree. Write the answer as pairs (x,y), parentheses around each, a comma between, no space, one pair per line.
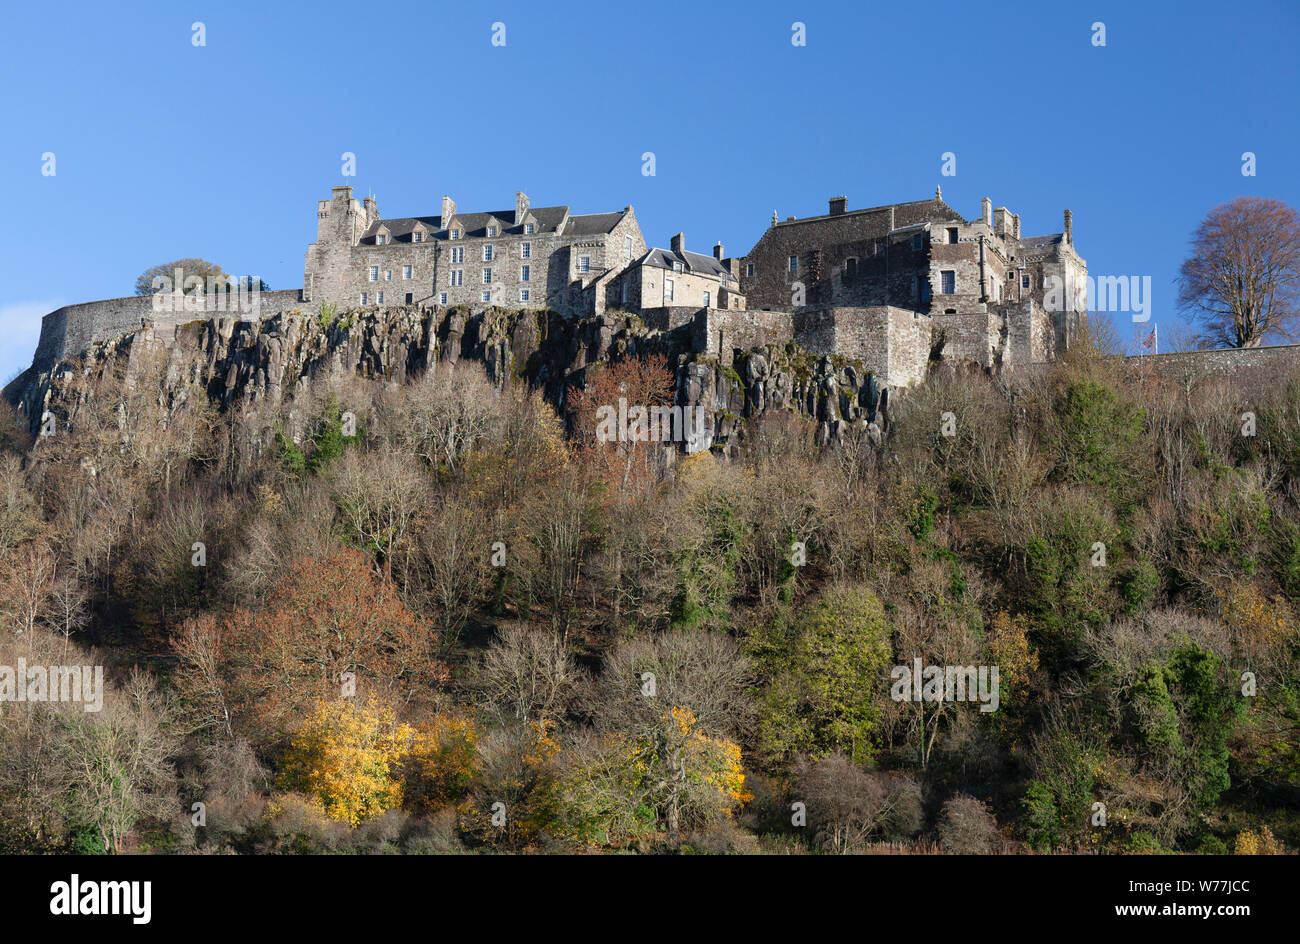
(330,627)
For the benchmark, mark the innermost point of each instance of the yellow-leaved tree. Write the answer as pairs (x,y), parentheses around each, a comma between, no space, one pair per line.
(347,755)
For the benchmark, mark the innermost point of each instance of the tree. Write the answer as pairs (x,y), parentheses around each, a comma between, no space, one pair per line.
(1242,280)
(847,805)
(827,680)
(210,273)
(328,616)
(347,756)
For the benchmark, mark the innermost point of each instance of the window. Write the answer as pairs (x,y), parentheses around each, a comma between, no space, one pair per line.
(749,269)
(381,239)
(525,273)
(794,264)
(417,237)
(457,276)
(374,273)
(525,250)
(487,296)
(668,290)
(850,268)
(365,300)
(923,288)
(952,234)
(409,298)
(388,275)
(524,295)
(948,281)
(408,272)
(627,248)
(677,267)
(622,292)
(1024,281)
(379,299)
(487,252)
(584,263)
(487,275)
(455,234)
(442,298)
(918,242)
(491,230)
(706,299)
(528,230)
(457,253)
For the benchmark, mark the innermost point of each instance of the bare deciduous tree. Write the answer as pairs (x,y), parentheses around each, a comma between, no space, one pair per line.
(1242,280)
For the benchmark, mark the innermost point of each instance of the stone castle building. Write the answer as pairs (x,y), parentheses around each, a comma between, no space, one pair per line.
(890,288)
(522,258)
(901,284)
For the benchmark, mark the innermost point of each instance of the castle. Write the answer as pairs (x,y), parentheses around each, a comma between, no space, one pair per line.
(891,287)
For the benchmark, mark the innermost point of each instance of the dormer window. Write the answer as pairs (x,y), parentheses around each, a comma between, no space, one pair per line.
(417,236)
(381,239)
(491,230)
(677,267)
(528,229)
(455,234)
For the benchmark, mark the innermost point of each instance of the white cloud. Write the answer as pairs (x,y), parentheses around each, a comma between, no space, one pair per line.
(20,329)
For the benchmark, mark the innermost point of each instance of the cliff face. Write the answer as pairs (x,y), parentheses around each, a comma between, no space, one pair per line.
(243,363)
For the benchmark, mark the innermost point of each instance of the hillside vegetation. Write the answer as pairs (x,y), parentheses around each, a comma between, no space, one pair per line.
(439,617)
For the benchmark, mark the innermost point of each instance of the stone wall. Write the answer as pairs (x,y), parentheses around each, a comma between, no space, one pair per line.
(69,330)
(722,333)
(1189,365)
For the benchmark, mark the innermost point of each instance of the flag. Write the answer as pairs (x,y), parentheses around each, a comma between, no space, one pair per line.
(1151,344)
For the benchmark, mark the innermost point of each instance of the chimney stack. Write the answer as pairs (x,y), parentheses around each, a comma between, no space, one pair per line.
(521,206)
(1069,228)
(986,211)
(678,243)
(838,205)
(717,252)
(448,209)
(1015,225)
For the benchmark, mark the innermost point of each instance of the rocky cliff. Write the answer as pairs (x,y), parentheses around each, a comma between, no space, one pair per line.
(239,363)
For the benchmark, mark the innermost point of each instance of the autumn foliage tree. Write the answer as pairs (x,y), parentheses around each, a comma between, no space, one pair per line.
(329,617)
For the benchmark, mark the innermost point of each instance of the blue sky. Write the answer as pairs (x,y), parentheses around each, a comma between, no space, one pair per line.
(165,150)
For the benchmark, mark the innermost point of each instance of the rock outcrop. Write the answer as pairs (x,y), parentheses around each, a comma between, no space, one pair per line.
(244,363)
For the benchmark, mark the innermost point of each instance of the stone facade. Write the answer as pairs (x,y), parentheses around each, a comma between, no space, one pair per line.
(677,277)
(979,287)
(523,258)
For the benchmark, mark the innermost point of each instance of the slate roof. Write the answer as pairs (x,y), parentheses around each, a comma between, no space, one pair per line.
(690,262)
(592,224)
(1052,240)
(548,219)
